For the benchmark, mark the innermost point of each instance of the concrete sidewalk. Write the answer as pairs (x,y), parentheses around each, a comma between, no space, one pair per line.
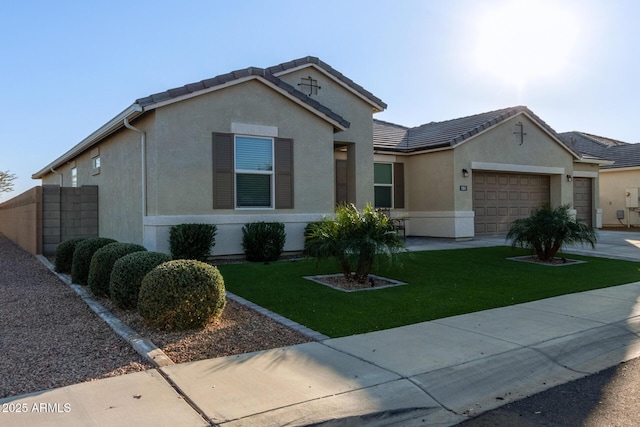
(432,373)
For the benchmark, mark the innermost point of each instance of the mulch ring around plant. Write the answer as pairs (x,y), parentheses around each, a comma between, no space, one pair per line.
(339,282)
(555,262)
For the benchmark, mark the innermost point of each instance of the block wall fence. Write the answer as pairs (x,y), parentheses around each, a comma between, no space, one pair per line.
(39,219)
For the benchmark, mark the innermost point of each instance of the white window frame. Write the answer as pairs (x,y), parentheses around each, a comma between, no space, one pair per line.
(384,185)
(271,173)
(74,176)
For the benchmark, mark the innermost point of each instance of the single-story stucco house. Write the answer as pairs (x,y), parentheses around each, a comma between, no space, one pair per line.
(619,177)
(289,142)
(475,175)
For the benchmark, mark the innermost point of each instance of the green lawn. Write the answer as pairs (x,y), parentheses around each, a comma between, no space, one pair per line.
(440,284)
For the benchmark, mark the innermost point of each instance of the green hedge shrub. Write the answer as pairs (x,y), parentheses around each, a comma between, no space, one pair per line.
(181,294)
(82,258)
(102,265)
(192,241)
(263,241)
(64,255)
(127,274)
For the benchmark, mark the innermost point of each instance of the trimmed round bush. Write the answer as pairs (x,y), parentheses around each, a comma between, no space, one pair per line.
(192,241)
(263,241)
(82,258)
(102,264)
(64,255)
(127,275)
(181,294)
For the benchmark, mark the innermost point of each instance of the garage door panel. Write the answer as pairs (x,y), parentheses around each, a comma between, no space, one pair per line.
(501,198)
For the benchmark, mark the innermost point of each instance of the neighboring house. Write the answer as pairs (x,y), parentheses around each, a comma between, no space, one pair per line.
(289,142)
(475,175)
(619,178)
(252,145)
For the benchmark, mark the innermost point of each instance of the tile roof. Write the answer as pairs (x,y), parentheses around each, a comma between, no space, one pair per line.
(285,66)
(173,95)
(622,153)
(392,137)
(194,88)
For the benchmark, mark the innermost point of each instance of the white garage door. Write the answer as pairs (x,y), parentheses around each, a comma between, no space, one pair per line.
(501,198)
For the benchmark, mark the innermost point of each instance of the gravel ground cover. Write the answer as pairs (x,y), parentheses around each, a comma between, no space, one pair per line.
(239,330)
(50,338)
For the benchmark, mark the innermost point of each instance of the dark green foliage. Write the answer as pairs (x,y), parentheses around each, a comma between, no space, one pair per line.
(102,264)
(127,275)
(181,294)
(82,258)
(547,229)
(263,241)
(356,239)
(192,241)
(64,255)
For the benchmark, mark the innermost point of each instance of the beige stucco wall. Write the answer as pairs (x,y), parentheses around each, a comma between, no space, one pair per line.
(613,185)
(440,198)
(179,165)
(119,182)
(500,149)
(359,134)
(181,150)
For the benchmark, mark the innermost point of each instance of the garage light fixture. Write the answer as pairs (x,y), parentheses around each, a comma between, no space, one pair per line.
(465,173)
(569,178)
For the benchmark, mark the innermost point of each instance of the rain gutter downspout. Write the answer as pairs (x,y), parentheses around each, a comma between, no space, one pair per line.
(59,174)
(143,152)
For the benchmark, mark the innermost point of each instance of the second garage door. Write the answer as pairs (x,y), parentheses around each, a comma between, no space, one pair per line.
(501,198)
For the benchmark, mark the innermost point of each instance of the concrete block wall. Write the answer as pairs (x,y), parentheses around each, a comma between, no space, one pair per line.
(43,217)
(68,212)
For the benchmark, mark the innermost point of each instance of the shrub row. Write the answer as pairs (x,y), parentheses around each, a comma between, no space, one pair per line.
(261,241)
(178,294)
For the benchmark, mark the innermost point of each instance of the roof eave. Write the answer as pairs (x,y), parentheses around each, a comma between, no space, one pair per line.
(113,125)
(376,106)
(339,125)
(593,161)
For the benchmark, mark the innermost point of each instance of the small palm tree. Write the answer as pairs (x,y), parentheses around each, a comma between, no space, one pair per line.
(356,239)
(547,229)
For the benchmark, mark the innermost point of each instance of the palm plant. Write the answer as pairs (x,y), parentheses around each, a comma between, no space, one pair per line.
(548,229)
(356,239)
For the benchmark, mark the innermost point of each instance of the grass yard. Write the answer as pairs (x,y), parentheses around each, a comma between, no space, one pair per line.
(440,284)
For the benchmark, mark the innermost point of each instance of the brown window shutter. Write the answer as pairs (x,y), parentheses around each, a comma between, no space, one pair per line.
(398,185)
(283,149)
(223,171)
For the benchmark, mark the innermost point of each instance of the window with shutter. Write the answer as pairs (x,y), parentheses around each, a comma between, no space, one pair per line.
(252,172)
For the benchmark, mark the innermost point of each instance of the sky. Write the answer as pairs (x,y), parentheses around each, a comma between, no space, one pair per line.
(71,66)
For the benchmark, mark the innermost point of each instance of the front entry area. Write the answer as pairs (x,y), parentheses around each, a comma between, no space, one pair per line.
(582,200)
(501,198)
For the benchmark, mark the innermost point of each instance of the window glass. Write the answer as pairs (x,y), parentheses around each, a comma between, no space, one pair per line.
(382,197)
(382,173)
(254,154)
(254,172)
(74,177)
(383,185)
(253,190)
